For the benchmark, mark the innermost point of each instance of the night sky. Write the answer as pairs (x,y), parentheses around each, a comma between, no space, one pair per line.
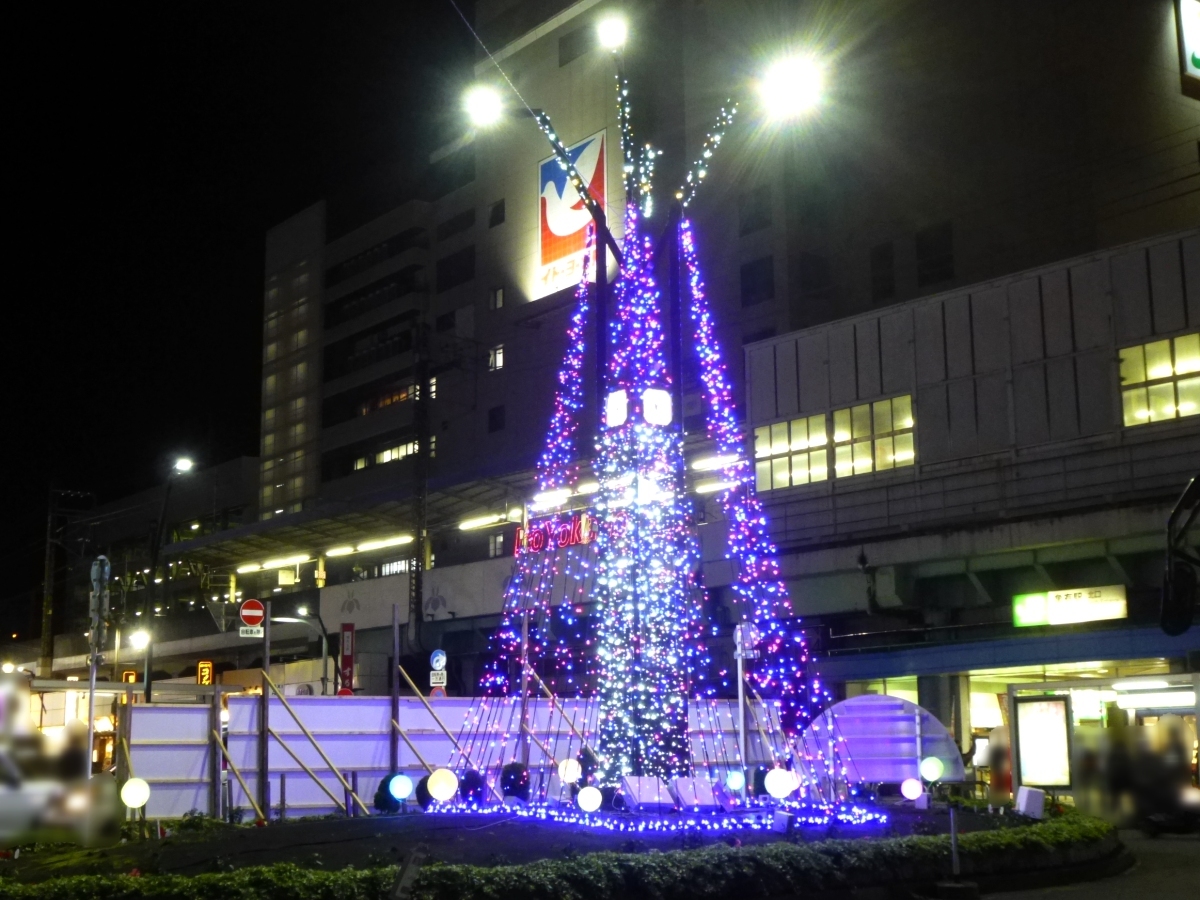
(154,146)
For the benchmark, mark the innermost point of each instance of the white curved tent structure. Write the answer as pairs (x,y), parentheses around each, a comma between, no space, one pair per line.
(878,739)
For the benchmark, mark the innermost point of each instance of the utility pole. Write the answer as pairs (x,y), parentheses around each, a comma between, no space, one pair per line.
(46,656)
(416,579)
(98,622)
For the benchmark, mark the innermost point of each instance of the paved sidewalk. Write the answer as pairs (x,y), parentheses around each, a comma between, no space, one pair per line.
(1168,868)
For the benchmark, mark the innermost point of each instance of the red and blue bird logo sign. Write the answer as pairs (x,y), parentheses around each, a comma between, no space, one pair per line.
(563,219)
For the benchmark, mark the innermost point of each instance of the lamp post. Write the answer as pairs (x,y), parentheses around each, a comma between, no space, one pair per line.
(182,466)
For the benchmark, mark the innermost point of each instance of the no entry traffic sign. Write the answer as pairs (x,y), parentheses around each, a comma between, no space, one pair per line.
(252,613)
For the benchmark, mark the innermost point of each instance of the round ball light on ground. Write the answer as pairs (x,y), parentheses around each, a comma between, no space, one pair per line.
(779,783)
(400,787)
(911,788)
(134,793)
(932,768)
(589,799)
(443,785)
(735,780)
(569,771)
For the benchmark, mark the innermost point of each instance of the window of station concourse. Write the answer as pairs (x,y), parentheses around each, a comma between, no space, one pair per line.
(989,687)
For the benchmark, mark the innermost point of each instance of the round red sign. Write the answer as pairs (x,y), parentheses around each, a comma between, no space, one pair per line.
(345,692)
(252,612)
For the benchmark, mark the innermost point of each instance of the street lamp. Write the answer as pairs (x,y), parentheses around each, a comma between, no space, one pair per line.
(612,31)
(483,105)
(792,86)
(183,464)
(139,640)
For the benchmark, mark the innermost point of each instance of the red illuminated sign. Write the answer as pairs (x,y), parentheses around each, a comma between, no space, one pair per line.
(564,530)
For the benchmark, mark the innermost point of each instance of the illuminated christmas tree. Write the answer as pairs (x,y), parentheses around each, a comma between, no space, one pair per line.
(647,655)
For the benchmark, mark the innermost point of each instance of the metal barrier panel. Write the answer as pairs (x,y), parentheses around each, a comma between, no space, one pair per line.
(171,743)
(170,746)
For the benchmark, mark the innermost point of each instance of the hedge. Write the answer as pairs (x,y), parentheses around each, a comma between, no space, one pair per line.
(720,871)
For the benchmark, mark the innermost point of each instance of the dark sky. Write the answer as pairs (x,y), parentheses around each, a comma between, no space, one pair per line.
(154,145)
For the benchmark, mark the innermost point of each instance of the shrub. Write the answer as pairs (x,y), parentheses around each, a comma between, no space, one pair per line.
(719,871)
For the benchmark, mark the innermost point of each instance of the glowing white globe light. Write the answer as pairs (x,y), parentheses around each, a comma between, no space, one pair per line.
(483,105)
(735,780)
(569,771)
(400,787)
(779,783)
(932,768)
(792,87)
(911,788)
(612,31)
(134,793)
(589,799)
(443,785)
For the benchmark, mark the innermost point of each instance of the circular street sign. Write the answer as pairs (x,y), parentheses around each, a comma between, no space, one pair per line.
(252,612)
(437,692)
(345,692)
(437,660)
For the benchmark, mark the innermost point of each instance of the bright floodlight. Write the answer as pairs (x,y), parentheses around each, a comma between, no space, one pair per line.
(443,785)
(911,788)
(134,793)
(569,771)
(611,32)
(932,768)
(183,464)
(139,640)
(589,799)
(735,780)
(483,105)
(791,87)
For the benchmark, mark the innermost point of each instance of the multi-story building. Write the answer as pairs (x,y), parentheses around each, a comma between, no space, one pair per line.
(956,145)
(957,483)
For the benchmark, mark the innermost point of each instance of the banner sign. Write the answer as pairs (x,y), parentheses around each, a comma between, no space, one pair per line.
(1070,606)
(570,529)
(562,217)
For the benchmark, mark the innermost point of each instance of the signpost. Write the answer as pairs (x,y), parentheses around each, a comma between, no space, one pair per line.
(252,613)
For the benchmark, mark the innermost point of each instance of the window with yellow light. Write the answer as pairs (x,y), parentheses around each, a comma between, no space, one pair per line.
(1160,380)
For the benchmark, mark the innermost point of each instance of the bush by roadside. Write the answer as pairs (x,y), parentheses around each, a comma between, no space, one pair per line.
(715,872)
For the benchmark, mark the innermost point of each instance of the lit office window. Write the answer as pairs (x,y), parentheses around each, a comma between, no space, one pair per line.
(1161,380)
(495,545)
(272,350)
(269,419)
(789,453)
(496,358)
(360,463)
(301,339)
(270,385)
(433,388)
(391,454)
(394,567)
(299,374)
(296,433)
(496,298)
(269,442)
(873,437)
